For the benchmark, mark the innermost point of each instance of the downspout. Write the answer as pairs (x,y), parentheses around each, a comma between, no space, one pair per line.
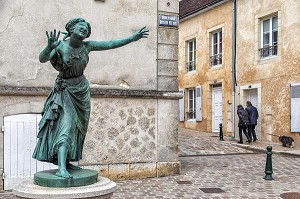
(233,64)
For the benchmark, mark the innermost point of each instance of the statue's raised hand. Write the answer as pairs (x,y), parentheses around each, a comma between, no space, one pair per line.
(53,39)
(142,33)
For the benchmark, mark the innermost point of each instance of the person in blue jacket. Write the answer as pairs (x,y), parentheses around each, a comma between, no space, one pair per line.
(253,116)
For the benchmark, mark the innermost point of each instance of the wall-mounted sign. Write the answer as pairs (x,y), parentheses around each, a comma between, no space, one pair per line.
(167,20)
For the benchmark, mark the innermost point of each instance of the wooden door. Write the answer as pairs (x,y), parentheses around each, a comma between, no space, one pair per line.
(20,133)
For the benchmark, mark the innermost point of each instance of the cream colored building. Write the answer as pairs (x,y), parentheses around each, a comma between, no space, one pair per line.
(268,64)
(205,65)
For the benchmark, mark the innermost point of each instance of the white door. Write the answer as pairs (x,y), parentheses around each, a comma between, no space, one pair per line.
(216,108)
(251,95)
(20,133)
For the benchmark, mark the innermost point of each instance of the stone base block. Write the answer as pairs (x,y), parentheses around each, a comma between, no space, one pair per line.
(167,168)
(103,189)
(134,171)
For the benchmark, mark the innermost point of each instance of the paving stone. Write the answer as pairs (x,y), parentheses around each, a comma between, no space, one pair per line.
(209,163)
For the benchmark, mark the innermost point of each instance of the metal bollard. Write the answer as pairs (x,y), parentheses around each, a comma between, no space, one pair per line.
(268,169)
(221,132)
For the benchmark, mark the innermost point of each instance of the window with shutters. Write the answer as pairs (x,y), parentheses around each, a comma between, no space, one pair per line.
(295,107)
(191,114)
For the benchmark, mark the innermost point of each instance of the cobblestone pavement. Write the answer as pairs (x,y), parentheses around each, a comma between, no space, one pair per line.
(195,143)
(226,167)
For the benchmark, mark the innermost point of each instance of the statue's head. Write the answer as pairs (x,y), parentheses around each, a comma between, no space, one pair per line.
(71,25)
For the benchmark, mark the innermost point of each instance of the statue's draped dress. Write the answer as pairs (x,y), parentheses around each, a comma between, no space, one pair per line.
(66,112)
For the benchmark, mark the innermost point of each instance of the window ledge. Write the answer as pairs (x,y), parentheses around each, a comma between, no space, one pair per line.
(268,59)
(216,67)
(191,120)
(191,72)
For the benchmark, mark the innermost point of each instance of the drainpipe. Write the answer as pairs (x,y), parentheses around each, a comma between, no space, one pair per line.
(233,64)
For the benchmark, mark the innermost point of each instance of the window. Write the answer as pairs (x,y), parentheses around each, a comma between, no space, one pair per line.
(216,48)
(269,37)
(191,55)
(191,104)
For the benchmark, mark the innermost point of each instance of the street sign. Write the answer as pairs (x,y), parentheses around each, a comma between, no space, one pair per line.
(167,20)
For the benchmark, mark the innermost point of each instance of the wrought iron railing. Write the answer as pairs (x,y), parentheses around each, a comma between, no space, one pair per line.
(216,60)
(191,114)
(190,66)
(267,51)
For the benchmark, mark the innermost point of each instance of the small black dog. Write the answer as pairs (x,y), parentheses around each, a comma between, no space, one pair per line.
(286,141)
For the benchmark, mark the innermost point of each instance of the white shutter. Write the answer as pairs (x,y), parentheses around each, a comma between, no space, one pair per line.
(295,107)
(198,103)
(181,106)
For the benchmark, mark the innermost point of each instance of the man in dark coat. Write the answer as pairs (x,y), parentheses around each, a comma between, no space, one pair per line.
(253,115)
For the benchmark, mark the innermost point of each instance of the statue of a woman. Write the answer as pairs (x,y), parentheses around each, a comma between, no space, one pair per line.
(66,111)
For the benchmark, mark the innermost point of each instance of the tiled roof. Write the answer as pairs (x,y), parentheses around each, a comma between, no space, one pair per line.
(189,7)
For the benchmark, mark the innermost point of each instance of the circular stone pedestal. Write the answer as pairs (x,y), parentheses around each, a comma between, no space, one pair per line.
(81,177)
(103,189)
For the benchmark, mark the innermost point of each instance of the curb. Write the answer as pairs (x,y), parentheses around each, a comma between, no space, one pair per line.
(257,149)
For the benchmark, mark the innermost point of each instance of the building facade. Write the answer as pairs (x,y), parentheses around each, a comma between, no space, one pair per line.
(133,126)
(205,65)
(268,65)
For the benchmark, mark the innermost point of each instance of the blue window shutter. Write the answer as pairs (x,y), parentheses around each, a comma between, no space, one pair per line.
(198,103)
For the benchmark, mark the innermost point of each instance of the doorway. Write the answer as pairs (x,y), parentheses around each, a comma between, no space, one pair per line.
(252,96)
(216,108)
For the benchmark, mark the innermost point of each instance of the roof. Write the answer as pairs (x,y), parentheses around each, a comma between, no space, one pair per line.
(189,7)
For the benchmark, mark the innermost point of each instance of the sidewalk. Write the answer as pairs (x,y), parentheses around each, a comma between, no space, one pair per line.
(214,169)
(258,146)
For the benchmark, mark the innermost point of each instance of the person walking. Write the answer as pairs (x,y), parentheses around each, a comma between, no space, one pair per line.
(253,116)
(243,123)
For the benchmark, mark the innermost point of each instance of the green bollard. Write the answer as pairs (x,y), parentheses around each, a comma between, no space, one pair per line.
(221,132)
(268,169)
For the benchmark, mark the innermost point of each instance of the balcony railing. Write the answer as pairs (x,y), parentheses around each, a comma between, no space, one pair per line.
(215,60)
(267,51)
(190,66)
(191,114)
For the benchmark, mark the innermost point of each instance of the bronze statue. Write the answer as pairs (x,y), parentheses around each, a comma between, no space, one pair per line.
(66,111)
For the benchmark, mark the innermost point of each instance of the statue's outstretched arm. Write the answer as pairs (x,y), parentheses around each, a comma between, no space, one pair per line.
(48,51)
(106,45)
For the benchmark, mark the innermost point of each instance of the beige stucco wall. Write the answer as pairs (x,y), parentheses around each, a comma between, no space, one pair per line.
(273,75)
(199,27)
(22,37)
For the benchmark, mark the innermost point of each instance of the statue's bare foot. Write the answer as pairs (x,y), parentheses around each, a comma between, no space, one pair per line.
(63,173)
(71,166)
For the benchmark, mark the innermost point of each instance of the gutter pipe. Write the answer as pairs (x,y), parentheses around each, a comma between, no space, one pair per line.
(233,64)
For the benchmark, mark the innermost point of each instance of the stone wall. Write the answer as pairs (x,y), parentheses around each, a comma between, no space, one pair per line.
(134,118)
